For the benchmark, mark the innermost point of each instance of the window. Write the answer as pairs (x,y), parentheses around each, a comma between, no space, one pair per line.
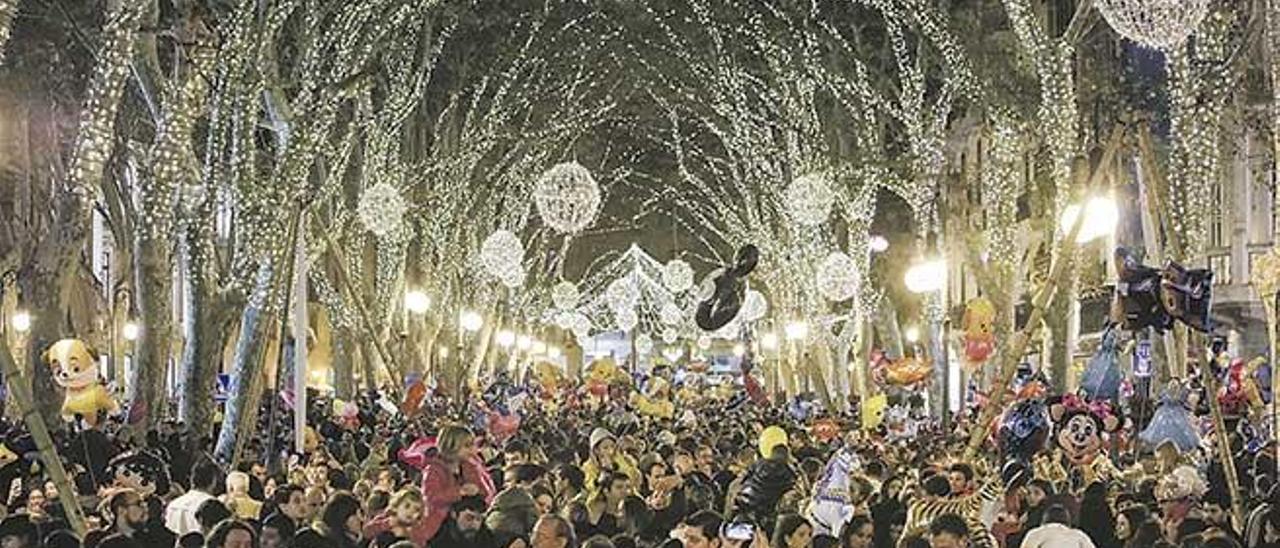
(1221,267)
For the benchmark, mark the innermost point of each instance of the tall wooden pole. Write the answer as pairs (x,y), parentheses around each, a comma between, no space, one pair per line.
(20,392)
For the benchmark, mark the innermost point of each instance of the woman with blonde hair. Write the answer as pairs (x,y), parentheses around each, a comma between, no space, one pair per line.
(237,497)
(452,471)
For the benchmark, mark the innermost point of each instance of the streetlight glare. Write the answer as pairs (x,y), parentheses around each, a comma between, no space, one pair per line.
(553,352)
(739,350)
(130,331)
(926,276)
(505,338)
(797,330)
(878,244)
(769,341)
(444,352)
(417,302)
(21,321)
(1100,217)
(539,347)
(470,321)
(912,334)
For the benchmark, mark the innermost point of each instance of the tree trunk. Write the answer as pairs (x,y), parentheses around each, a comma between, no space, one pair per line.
(151,357)
(246,368)
(207,318)
(343,372)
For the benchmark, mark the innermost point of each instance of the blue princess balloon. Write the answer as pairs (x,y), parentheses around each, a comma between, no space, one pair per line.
(1172,422)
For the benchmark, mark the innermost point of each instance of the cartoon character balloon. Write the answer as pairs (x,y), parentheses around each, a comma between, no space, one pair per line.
(1023,430)
(1239,394)
(75,369)
(907,371)
(979,338)
(1082,428)
(141,471)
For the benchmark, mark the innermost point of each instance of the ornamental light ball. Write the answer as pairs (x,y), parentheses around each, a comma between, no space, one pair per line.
(626,319)
(381,209)
(567,197)
(1157,24)
(502,256)
(677,275)
(837,277)
(565,295)
(809,199)
(670,314)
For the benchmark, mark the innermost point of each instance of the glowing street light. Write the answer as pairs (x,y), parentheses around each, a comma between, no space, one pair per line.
(130,331)
(739,350)
(417,302)
(1100,217)
(505,338)
(523,342)
(21,321)
(797,330)
(926,276)
(444,352)
(912,334)
(878,244)
(769,341)
(553,352)
(470,321)
(539,347)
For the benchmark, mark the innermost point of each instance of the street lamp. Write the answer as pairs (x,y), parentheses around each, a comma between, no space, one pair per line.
(797,330)
(523,342)
(130,331)
(553,352)
(505,338)
(912,334)
(739,350)
(417,302)
(769,341)
(539,348)
(878,244)
(444,352)
(926,276)
(21,321)
(470,321)
(1100,217)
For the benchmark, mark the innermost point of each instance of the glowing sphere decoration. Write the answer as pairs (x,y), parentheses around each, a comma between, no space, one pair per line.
(567,197)
(565,295)
(626,319)
(381,209)
(754,306)
(1156,24)
(704,342)
(644,343)
(502,256)
(580,324)
(565,319)
(809,199)
(838,277)
(677,275)
(670,314)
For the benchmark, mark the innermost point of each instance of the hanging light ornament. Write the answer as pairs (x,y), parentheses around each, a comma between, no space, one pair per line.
(622,293)
(626,319)
(704,342)
(671,314)
(1156,24)
(564,295)
(502,256)
(381,209)
(677,275)
(809,199)
(567,197)
(670,335)
(754,306)
(837,277)
(644,344)
(580,324)
(565,319)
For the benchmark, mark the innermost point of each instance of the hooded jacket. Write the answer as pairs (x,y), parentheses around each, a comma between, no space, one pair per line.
(762,487)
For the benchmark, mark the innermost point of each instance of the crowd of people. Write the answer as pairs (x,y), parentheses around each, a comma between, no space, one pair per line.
(590,471)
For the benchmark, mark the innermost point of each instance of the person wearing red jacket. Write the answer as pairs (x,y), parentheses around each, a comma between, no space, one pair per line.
(454,471)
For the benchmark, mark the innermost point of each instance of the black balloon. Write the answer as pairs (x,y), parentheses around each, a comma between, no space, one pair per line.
(1188,295)
(1139,294)
(1024,429)
(723,306)
(745,261)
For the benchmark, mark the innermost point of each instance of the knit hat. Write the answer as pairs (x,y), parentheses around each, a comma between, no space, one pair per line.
(598,435)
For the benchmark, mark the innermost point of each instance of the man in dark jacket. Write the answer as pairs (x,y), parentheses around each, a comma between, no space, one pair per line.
(763,485)
(465,528)
(514,511)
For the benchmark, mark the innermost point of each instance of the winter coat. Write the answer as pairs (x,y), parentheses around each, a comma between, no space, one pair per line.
(762,488)
(441,488)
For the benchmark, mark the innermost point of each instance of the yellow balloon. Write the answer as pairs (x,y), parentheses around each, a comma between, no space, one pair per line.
(771,437)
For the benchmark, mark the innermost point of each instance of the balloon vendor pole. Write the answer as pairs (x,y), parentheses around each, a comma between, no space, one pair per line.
(20,392)
(1223,444)
(1018,344)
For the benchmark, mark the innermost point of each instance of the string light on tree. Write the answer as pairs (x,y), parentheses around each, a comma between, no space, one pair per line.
(1156,24)
(470,321)
(505,338)
(21,321)
(502,256)
(796,330)
(381,209)
(769,341)
(567,197)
